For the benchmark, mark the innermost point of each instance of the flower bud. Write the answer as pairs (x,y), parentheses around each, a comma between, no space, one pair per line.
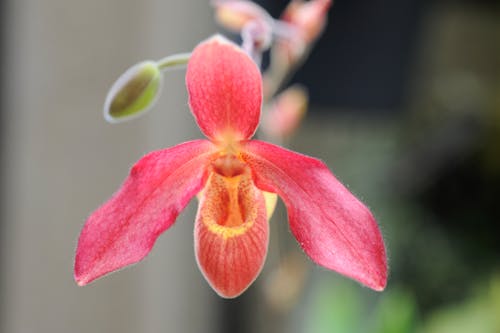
(308,17)
(133,93)
(234,15)
(300,25)
(286,112)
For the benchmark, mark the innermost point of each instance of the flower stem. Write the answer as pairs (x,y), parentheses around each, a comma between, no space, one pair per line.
(173,61)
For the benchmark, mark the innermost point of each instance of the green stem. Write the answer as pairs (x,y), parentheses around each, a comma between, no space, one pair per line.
(175,60)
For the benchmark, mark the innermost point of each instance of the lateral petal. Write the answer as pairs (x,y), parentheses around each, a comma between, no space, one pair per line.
(231,233)
(332,226)
(225,90)
(123,230)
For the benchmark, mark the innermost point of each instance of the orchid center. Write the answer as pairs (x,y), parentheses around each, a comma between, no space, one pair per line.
(228,166)
(229,204)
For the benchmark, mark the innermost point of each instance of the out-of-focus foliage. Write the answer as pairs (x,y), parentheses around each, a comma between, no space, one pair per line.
(339,306)
(479,313)
(396,312)
(335,307)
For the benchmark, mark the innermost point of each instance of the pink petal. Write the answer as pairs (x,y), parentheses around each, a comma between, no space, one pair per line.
(231,233)
(333,227)
(123,230)
(225,90)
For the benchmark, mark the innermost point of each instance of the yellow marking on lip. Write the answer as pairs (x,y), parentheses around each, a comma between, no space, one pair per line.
(229,205)
(228,232)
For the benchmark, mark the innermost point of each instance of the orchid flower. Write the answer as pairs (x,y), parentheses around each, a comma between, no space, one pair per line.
(231,174)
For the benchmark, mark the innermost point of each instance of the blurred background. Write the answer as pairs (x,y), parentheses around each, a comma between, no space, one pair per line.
(405,109)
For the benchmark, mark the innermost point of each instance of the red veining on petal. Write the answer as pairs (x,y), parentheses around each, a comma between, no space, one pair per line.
(225,90)
(333,227)
(124,229)
(231,233)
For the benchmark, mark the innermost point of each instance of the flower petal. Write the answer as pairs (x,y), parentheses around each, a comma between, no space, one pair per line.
(123,230)
(225,90)
(231,233)
(333,227)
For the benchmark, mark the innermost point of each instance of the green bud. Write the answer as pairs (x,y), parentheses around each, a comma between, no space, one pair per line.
(133,93)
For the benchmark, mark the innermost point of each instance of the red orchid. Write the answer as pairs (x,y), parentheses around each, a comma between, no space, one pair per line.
(230,173)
